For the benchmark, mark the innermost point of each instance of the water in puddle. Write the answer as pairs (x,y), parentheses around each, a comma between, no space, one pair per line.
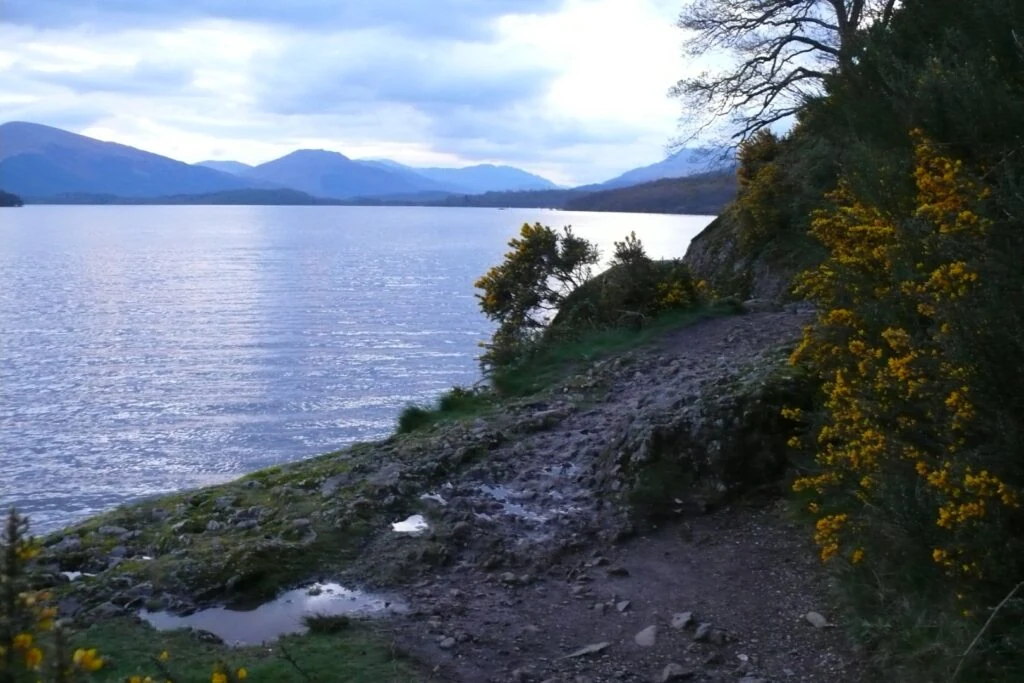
(414,525)
(278,617)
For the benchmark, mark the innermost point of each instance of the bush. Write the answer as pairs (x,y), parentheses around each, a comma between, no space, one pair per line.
(413,417)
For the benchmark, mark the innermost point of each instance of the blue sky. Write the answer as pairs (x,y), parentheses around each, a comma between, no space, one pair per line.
(572,89)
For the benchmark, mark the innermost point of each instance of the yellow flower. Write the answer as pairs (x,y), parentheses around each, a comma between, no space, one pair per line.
(22,641)
(135,679)
(219,677)
(857,556)
(242,674)
(164,656)
(33,658)
(87,660)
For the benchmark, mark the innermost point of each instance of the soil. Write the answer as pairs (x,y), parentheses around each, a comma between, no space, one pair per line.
(747,575)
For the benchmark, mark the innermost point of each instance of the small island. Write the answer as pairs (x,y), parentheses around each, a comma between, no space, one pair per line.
(8,199)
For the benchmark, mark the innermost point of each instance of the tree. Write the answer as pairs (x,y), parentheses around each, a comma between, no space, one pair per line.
(780,53)
(521,293)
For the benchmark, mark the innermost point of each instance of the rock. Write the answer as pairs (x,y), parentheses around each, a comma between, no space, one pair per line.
(509,579)
(118,552)
(214,526)
(524,674)
(675,672)
(703,631)
(647,637)
(110,530)
(681,620)
(622,605)
(224,503)
(447,643)
(816,620)
(618,572)
(68,544)
(753,679)
(586,650)
(462,530)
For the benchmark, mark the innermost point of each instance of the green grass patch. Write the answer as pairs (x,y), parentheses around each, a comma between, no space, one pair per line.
(455,404)
(356,655)
(557,360)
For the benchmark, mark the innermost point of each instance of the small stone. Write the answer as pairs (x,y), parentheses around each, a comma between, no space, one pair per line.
(214,525)
(717,636)
(681,620)
(509,578)
(447,643)
(587,650)
(623,605)
(753,679)
(675,672)
(618,572)
(647,637)
(110,530)
(118,551)
(462,530)
(703,631)
(816,620)
(300,524)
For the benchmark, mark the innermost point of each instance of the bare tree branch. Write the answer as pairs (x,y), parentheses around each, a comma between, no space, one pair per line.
(780,51)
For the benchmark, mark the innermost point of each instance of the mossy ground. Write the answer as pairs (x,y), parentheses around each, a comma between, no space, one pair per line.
(361,654)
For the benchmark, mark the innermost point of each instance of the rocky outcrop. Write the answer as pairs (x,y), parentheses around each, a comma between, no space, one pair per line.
(717,257)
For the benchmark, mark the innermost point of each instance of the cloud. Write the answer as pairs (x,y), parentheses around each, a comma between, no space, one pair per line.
(442,18)
(144,78)
(577,94)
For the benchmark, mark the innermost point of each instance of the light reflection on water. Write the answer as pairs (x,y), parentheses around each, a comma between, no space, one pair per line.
(149,349)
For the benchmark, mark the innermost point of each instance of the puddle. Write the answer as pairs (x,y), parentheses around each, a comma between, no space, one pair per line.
(508,497)
(414,525)
(278,617)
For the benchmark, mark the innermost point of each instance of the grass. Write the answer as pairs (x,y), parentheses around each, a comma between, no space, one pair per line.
(356,655)
(455,404)
(552,363)
(557,361)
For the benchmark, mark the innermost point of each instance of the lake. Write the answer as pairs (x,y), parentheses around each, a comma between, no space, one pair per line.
(146,349)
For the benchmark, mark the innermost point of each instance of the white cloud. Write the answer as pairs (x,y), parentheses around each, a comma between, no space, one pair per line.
(578,94)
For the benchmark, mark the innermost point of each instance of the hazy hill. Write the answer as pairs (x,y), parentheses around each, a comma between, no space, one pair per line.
(8,199)
(475,179)
(330,174)
(705,193)
(40,161)
(232,167)
(685,162)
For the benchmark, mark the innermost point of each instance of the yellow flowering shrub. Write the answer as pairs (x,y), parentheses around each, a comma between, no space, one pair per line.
(899,437)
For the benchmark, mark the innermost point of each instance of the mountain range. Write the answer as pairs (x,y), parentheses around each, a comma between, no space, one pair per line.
(41,162)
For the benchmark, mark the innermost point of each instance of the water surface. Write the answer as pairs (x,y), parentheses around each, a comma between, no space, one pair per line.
(146,349)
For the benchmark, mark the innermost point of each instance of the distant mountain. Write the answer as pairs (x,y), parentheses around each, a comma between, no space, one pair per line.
(251,197)
(8,199)
(232,167)
(476,179)
(704,193)
(40,161)
(685,162)
(330,174)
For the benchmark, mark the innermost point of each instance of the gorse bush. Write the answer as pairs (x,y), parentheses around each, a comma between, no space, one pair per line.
(916,471)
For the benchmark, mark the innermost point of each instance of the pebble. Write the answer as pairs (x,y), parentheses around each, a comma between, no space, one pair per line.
(647,637)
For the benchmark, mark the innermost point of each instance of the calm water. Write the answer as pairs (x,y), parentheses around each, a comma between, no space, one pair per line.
(149,349)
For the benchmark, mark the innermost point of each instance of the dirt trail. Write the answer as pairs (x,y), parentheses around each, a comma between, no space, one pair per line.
(542,569)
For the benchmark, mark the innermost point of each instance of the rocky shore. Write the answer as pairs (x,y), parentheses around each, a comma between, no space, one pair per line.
(623,525)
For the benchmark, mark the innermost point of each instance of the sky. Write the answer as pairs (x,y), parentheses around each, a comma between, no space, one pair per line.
(575,90)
